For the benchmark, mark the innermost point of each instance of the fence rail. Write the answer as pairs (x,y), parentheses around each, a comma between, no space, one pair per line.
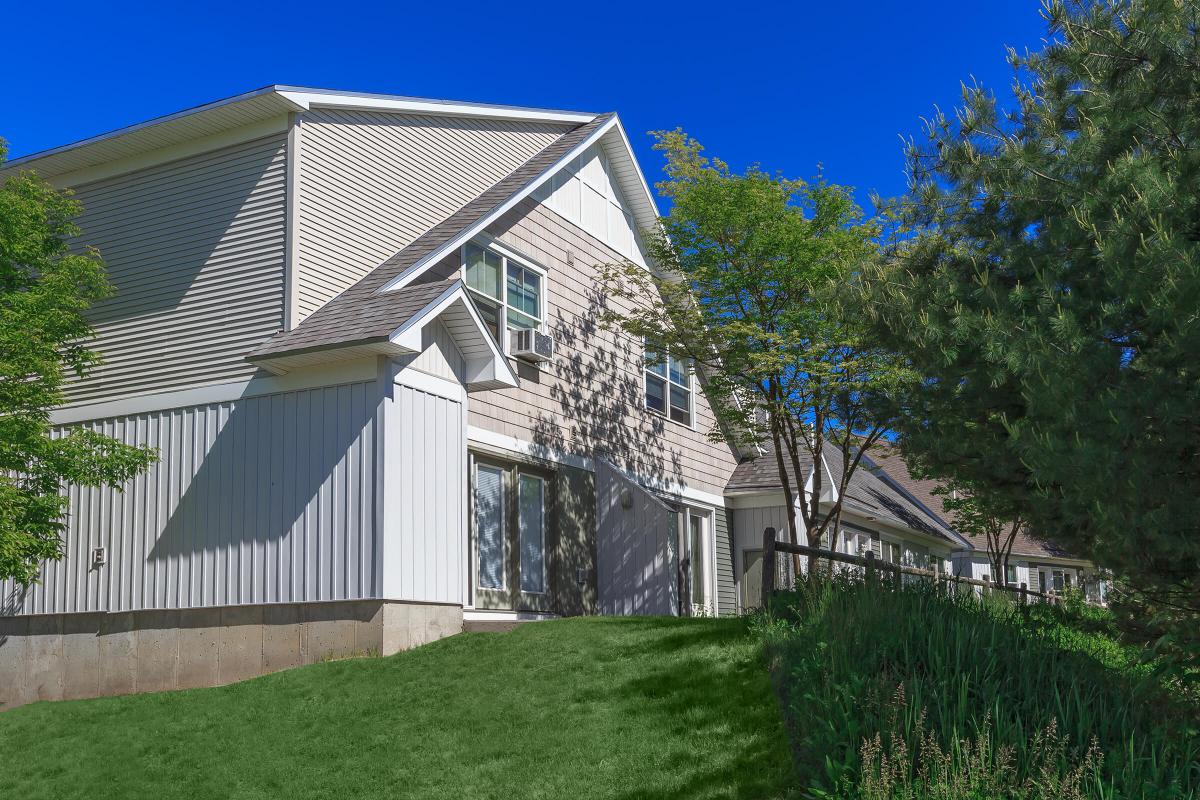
(870,563)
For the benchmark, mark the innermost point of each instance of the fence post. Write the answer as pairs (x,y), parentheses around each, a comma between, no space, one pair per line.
(871,567)
(1024,594)
(768,576)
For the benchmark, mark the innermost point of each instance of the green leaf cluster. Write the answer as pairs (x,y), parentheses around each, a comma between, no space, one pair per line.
(749,282)
(46,288)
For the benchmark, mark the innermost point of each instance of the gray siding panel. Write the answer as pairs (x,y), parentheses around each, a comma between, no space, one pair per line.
(637,564)
(195,253)
(261,500)
(726,580)
(748,527)
(371,183)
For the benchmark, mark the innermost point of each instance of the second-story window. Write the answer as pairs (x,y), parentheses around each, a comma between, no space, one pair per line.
(507,293)
(669,387)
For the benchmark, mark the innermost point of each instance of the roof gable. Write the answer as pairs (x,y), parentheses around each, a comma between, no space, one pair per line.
(369,311)
(605,131)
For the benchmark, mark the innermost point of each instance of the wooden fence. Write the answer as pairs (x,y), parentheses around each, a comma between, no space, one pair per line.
(872,564)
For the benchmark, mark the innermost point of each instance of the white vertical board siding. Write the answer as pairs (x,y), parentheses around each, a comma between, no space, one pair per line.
(372,182)
(267,499)
(748,527)
(586,193)
(637,562)
(195,254)
(425,543)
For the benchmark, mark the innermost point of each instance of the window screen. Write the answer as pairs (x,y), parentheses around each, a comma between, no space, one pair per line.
(489,524)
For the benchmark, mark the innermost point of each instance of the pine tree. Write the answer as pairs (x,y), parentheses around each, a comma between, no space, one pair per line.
(1048,290)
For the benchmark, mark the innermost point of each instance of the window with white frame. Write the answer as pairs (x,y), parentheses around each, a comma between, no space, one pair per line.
(508,293)
(890,551)
(669,387)
(858,543)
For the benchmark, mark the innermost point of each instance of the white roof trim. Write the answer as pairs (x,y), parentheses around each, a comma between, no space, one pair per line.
(300,98)
(406,277)
(647,194)
(187,112)
(368,101)
(408,337)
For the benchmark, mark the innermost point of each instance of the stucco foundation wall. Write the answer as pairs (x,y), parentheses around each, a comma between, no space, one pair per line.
(71,656)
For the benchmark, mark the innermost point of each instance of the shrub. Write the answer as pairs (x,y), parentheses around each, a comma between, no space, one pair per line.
(909,691)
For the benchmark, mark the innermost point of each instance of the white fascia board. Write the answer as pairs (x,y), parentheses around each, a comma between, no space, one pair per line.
(187,112)
(367,101)
(980,556)
(646,194)
(406,277)
(408,336)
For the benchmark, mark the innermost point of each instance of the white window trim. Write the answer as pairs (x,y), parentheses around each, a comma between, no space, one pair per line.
(545,558)
(503,587)
(507,254)
(708,554)
(691,388)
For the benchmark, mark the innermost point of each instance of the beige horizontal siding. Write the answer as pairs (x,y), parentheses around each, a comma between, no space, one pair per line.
(591,398)
(195,253)
(371,183)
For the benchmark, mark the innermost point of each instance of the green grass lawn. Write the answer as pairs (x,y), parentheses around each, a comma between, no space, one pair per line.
(578,708)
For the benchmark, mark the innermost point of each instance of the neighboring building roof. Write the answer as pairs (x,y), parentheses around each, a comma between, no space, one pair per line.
(761,473)
(888,463)
(866,493)
(885,461)
(368,312)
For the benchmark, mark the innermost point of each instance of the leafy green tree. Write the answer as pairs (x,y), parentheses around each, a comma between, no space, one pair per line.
(45,290)
(976,512)
(1048,285)
(748,268)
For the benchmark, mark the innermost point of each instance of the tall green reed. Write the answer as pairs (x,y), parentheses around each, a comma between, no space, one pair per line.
(972,671)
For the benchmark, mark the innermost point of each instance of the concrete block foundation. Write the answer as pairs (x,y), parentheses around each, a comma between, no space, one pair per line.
(72,656)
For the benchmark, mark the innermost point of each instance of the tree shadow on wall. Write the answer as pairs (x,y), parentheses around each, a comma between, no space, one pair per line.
(600,394)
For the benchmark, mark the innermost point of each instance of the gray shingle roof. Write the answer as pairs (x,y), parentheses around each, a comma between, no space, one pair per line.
(763,472)
(888,460)
(364,314)
(866,491)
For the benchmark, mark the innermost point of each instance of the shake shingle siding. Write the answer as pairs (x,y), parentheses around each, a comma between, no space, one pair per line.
(591,398)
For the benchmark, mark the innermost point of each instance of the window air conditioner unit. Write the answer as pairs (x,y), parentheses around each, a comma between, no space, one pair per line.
(531,345)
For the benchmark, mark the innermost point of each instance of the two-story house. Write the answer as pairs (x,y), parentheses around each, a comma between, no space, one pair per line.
(362,332)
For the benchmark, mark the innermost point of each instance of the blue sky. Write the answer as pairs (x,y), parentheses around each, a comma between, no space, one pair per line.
(789,85)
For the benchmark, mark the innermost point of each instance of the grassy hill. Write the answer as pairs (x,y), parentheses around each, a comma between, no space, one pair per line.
(596,708)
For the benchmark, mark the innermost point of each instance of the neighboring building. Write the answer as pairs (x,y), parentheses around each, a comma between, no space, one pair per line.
(334,317)
(875,517)
(1039,565)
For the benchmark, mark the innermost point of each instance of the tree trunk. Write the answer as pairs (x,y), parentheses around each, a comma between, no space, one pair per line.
(789,501)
